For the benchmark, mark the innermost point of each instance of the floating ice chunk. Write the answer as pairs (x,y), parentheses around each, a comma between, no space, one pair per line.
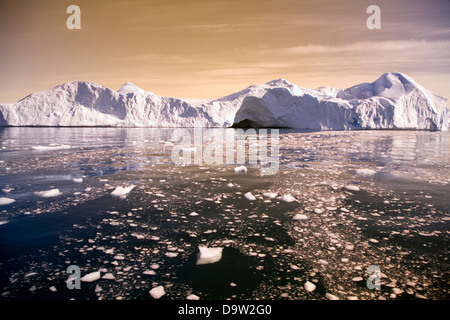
(30,274)
(349,247)
(3,222)
(323,262)
(192,297)
(352,188)
(157,292)
(286,198)
(208,255)
(109,276)
(357,279)
(77,180)
(193,214)
(5,201)
(90,277)
(171,254)
(51,147)
(249,196)
(330,296)
(230,185)
(121,191)
(300,216)
(309,286)
(7,190)
(270,195)
(241,169)
(366,172)
(48,193)
(52,289)
(149,272)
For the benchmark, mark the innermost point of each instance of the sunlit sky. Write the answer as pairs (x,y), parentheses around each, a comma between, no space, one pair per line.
(209,48)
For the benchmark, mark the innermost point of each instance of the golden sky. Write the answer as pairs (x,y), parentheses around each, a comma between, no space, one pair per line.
(211,48)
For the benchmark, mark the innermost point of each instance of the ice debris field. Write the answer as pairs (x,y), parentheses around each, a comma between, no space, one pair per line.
(141,227)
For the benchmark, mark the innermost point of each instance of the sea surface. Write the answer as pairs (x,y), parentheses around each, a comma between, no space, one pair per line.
(347,215)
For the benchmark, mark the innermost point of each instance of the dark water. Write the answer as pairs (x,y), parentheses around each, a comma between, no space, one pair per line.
(397,219)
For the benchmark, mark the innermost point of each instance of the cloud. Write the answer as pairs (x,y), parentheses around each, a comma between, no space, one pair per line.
(362,46)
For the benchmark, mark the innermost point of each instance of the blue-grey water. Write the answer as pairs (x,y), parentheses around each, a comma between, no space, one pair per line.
(362,199)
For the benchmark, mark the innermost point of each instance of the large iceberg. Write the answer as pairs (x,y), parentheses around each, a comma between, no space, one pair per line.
(394,101)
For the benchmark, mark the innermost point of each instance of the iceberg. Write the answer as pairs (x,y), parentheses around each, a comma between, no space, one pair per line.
(393,101)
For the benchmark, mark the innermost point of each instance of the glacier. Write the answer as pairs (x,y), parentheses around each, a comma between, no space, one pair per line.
(393,101)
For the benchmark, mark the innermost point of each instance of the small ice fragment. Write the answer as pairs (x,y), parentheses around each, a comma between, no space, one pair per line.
(352,188)
(48,193)
(192,297)
(30,274)
(5,201)
(299,216)
(149,272)
(77,180)
(121,191)
(286,198)
(193,214)
(109,276)
(93,276)
(366,172)
(310,287)
(208,255)
(157,292)
(323,262)
(330,296)
(154,266)
(52,289)
(50,147)
(249,196)
(270,195)
(241,169)
(230,185)
(357,279)
(171,254)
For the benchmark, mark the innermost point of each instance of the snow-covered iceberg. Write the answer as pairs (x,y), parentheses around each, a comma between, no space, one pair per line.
(394,101)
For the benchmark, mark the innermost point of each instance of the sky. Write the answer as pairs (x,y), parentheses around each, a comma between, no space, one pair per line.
(211,48)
